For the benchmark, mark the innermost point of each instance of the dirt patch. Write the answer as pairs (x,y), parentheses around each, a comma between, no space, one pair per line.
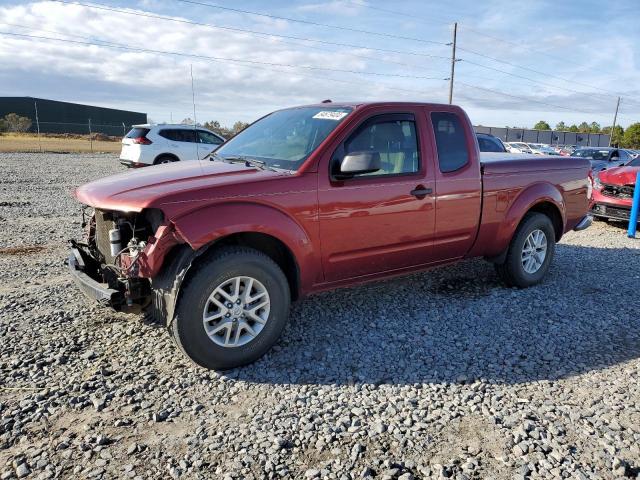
(465,437)
(22,250)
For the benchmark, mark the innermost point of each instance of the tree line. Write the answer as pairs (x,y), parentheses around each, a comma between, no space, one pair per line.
(627,138)
(12,122)
(216,127)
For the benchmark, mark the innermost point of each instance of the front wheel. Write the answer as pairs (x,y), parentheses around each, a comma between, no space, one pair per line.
(530,252)
(232,309)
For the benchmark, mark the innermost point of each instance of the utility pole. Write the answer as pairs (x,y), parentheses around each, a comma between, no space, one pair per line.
(615,117)
(195,123)
(453,62)
(35,104)
(90,136)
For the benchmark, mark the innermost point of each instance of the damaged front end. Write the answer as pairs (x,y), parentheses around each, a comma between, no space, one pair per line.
(119,255)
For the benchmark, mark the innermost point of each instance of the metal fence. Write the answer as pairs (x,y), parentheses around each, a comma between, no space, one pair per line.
(65,137)
(549,137)
(88,127)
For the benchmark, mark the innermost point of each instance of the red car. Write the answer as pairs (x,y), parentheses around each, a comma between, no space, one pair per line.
(613,191)
(314,198)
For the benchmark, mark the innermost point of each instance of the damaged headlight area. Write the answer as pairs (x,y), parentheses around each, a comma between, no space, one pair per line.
(110,253)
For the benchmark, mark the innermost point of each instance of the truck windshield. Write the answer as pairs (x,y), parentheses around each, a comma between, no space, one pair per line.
(284,139)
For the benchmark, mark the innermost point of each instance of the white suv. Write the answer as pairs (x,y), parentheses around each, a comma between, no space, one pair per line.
(154,144)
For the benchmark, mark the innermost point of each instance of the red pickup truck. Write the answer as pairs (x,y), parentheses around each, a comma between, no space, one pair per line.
(313,198)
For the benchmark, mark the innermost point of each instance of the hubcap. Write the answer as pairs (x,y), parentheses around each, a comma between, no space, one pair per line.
(534,251)
(236,311)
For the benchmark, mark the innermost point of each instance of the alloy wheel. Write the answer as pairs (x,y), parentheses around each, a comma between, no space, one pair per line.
(236,312)
(534,251)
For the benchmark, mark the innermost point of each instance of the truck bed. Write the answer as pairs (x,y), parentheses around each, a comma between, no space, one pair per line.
(498,163)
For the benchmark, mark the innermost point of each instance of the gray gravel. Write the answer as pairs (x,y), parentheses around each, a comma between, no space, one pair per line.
(445,374)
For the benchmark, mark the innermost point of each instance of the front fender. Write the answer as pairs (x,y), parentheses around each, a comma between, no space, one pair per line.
(206,225)
(528,198)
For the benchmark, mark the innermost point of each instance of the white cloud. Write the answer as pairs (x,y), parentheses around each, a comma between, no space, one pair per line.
(228,91)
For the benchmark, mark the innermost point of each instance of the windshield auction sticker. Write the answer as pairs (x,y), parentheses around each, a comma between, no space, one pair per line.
(330,115)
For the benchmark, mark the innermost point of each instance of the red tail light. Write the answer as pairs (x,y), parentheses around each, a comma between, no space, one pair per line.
(142,141)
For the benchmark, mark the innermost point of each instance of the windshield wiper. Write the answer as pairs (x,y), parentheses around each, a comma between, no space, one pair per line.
(249,162)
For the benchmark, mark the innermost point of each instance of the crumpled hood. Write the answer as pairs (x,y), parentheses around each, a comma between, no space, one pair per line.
(146,187)
(619,175)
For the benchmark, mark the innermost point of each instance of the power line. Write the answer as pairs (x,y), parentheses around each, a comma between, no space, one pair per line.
(253,32)
(100,6)
(221,59)
(146,14)
(308,22)
(465,27)
(254,65)
(355,55)
(498,92)
(537,71)
(478,32)
(524,77)
(402,14)
(519,45)
(258,65)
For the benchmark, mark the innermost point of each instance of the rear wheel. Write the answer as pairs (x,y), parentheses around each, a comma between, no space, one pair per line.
(232,309)
(530,252)
(165,159)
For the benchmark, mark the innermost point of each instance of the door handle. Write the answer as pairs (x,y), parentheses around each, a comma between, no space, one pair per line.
(421,192)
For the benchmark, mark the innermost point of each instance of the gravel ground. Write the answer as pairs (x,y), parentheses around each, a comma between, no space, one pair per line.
(442,374)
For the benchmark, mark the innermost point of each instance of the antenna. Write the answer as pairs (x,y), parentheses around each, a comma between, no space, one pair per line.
(195,128)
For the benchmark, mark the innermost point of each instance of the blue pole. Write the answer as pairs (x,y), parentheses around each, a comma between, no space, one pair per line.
(635,206)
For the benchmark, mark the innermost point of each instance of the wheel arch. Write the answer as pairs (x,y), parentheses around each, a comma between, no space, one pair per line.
(552,211)
(540,197)
(271,246)
(265,229)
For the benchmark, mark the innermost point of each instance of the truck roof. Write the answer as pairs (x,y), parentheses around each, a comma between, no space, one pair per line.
(379,103)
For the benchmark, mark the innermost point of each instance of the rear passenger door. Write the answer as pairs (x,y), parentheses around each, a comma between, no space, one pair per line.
(458,183)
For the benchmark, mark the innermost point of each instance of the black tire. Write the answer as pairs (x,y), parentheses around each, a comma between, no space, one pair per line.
(165,159)
(229,262)
(512,271)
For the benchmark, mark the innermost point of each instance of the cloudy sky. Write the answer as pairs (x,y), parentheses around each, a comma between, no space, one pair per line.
(519,61)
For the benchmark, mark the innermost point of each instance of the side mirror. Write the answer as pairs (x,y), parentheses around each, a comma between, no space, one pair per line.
(358,163)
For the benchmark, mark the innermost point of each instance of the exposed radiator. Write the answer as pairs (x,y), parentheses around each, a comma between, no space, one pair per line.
(104,223)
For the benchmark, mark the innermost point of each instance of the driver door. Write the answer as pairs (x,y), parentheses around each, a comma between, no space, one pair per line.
(381,221)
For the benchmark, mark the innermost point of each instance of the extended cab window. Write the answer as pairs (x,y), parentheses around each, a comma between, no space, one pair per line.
(450,141)
(394,140)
